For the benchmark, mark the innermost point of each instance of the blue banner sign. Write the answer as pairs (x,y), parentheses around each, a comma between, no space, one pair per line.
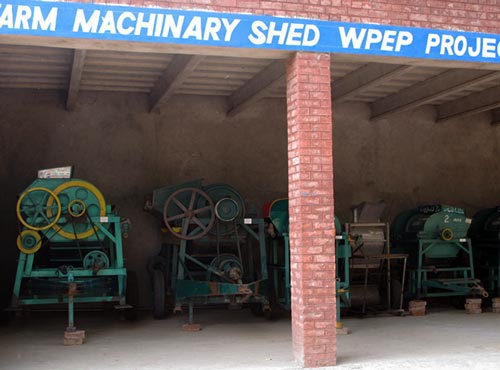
(113,22)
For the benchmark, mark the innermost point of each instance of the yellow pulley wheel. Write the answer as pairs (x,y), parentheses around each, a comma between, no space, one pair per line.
(38,209)
(446,234)
(100,202)
(29,241)
(77,208)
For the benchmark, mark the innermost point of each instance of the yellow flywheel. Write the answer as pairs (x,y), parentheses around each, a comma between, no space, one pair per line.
(73,200)
(38,208)
(29,241)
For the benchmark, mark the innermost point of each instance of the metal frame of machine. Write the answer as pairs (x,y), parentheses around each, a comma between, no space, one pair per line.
(206,264)
(70,247)
(485,235)
(435,238)
(279,264)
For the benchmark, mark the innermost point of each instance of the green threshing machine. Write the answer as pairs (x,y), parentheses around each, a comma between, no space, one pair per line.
(279,258)
(485,235)
(440,253)
(214,253)
(70,244)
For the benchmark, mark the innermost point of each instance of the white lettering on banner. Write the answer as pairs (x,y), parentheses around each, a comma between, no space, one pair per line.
(157,25)
(172,27)
(193,29)
(213,26)
(120,24)
(108,24)
(141,23)
(372,38)
(190,27)
(19,17)
(290,34)
(229,27)
(485,47)
(82,24)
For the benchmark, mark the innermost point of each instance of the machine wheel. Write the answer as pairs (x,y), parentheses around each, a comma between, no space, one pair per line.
(224,264)
(29,241)
(79,198)
(38,209)
(156,263)
(96,260)
(229,204)
(159,310)
(446,234)
(181,206)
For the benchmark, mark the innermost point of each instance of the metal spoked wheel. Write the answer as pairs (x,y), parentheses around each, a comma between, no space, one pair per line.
(184,219)
(38,209)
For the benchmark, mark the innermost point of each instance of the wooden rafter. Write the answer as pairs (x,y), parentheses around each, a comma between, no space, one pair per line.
(365,78)
(75,78)
(479,102)
(172,78)
(256,88)
(432,89)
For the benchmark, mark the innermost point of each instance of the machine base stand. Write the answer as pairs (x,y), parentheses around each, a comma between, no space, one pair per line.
(74,337)
(191,327)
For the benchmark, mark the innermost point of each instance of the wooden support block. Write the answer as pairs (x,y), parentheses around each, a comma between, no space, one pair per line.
(495,310)
(77,334)
(474,300)
(417,312)
(417,304)
(473,305)
(417,308)
(474,311)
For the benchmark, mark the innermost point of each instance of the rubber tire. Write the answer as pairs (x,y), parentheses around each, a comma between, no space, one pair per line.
(159,309)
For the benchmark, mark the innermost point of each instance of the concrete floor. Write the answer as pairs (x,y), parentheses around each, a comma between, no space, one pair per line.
(237,340)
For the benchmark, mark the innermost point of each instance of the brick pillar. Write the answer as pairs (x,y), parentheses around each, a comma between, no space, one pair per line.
(310,192)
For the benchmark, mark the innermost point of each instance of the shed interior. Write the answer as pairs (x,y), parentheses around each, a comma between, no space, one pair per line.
(408,132)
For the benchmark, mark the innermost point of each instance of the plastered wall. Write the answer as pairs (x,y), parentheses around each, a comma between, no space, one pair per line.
(126,152)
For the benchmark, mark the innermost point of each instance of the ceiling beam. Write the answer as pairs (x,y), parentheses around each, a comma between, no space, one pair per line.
(475,103)
(444,84)
(365,78)
(75,78)
(175,74)
(256,88)
(495,117)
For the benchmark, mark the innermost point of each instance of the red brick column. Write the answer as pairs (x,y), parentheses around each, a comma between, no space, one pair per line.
(310,192)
